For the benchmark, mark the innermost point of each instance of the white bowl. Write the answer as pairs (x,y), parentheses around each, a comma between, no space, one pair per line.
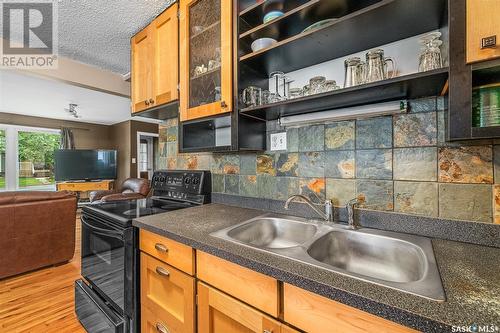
(262,43)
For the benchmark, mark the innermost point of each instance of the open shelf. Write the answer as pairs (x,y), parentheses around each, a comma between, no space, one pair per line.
(381,23)
(411,86)
(253,15)
(299,18)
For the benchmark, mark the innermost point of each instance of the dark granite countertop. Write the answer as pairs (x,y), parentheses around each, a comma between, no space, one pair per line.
(470,273)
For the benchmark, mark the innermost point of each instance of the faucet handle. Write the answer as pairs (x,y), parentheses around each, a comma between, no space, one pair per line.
(350,212)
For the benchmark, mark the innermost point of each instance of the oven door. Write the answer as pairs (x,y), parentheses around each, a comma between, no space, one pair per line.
(103,259)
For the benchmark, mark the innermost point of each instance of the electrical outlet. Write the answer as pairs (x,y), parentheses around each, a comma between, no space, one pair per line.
(278,141)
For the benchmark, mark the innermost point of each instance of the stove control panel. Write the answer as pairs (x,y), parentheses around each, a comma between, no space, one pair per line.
(180,184)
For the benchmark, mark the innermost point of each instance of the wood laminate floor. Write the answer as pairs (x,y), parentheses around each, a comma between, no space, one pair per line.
(42,301)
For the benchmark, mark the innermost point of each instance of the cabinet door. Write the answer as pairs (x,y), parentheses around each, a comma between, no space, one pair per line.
(168,294)
(142,69)
(205,58)
(220,313)
(482,21)
(166,49)
(312,313)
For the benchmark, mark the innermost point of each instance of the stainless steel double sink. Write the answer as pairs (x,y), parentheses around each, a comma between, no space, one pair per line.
(399,261)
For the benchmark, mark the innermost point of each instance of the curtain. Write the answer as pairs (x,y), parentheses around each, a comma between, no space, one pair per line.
(67,139)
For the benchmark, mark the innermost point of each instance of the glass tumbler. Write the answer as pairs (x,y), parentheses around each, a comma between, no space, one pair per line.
(295,93)
(278,85)
(251,96)
(316,84)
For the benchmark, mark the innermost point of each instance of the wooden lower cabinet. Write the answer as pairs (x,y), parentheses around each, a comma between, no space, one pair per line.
(167,298)
(220,313)
(173,253)
(316,314)
(256,289)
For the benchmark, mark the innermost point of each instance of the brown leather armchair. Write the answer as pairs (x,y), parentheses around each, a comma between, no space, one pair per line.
(132,188)
(37,230)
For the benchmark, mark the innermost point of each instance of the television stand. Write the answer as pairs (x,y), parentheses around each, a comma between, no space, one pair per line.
(85,186)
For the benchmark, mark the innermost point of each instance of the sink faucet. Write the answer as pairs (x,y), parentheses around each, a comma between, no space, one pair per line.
(350,213)
(327,215)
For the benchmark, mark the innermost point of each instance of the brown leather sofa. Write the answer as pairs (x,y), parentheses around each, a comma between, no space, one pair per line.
(37,229)
(132,188)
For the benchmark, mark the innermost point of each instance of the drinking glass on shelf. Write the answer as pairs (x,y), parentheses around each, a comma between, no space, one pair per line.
(251,96)
(354,72)
(265,97)
(278,84)
(330,85)
(430,57)
(316,84)
(306,91)
(376,66)
(295,93)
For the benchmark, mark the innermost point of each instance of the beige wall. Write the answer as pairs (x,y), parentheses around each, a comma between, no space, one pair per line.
(121,138)
(87,136)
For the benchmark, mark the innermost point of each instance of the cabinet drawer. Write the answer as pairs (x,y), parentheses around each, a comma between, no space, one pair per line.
(312,313)
(168,296)
(218,312)
(173,253)
(256,289)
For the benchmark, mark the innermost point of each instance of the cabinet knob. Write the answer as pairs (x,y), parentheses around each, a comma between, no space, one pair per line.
(146,102)
(161,328)
(160,247)
(151,101)
(223,104)
(162,271)
(267,331)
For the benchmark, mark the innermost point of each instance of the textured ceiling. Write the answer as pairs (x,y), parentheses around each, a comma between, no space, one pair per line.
(97,32)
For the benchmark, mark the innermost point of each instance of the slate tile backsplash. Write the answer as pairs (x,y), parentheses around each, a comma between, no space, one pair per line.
(400,163)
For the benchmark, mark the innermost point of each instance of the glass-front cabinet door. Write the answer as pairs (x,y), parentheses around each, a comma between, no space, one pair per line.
(205,58)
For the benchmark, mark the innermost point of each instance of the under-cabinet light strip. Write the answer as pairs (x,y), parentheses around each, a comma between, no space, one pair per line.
(363,111)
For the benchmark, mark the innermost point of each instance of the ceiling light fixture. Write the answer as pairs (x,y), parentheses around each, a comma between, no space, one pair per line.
(363,111)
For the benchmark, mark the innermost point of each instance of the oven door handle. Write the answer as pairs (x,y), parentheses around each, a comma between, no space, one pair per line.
(101,231)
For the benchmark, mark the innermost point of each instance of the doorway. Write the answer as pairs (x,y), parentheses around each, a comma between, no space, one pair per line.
(147,146)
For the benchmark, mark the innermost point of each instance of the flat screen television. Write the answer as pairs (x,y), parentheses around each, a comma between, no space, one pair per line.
(79,164)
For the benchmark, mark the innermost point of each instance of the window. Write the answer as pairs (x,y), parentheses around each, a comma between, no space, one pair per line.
(27,158)
(36,158)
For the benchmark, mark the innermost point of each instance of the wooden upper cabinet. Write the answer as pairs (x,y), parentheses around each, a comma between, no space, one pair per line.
(218,312)
(166,50)
(206,87)
(155,62)
(142,69)
(483,21)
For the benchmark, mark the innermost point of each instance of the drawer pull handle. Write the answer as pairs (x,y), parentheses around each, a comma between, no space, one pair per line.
(160,328)
(268,331)
(161,247)
(162,271)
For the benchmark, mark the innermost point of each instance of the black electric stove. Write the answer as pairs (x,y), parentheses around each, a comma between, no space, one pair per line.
(107,298)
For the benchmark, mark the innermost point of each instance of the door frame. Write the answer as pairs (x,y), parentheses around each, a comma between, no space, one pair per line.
(138,144)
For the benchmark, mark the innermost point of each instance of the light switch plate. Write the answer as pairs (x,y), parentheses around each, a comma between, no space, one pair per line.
(278,141)
(133,160)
